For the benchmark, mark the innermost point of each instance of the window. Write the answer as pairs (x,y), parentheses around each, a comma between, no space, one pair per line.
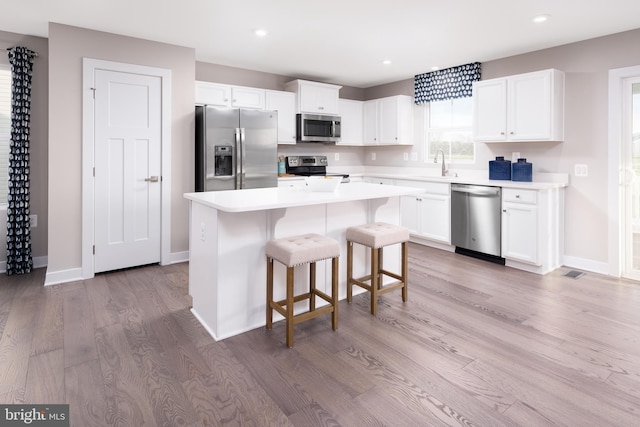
(449,128)
(5,130)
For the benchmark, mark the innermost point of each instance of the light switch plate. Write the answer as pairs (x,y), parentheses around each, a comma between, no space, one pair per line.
(515,156)
(373,156)
(336,156)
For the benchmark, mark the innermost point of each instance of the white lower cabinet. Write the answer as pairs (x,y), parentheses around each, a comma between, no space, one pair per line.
(428,215)
(533,228)
(520,225)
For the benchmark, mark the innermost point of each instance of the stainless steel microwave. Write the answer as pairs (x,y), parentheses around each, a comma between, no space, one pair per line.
(317,128)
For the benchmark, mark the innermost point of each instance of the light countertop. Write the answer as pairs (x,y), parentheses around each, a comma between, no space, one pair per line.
(283,197)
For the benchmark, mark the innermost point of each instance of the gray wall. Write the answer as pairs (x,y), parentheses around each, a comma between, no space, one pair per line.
(38,143)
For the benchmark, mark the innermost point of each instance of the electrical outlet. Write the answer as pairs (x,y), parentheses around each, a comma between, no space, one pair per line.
(581,170)
(405,156)
(373,156)
(414,156)
(33,221)
(515,156)
(336,156)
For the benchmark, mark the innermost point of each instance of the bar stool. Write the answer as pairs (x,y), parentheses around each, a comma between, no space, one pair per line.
(376,236)
(299,250)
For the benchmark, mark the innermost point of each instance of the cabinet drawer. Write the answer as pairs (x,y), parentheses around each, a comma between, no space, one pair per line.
(519,196)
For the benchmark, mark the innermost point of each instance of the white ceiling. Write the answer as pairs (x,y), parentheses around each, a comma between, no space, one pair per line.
(336,41)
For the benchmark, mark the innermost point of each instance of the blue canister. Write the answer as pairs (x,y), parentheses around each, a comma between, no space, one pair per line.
(521,171)
(281,168)
(499,168)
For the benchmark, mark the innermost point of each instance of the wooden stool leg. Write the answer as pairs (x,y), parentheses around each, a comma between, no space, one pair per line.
(269,292)
(380,267)
(349,271)
(334,293)
(374,280)
(312,286)
(405,270)
(289,311)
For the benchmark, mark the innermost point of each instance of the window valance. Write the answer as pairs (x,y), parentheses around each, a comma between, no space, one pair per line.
(450,83)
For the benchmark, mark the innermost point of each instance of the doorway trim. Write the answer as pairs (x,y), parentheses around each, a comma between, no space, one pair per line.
(89,66)
(616,227)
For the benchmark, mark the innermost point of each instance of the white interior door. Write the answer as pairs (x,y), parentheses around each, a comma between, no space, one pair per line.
(127,161)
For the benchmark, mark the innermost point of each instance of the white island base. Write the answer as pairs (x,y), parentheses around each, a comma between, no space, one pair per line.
(229,230)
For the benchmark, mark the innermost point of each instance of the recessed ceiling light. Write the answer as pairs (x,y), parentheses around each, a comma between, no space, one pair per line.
(538,19)
(260,33)
(386,61)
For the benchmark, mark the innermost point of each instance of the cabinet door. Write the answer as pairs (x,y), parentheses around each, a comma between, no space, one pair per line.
(213,94)
(529,107)
(351,122)
(370,122)
(490,110)
(435,217)
(410,213)
(247,97)
(319,99)
(520,232)
(285,104)
(388,126)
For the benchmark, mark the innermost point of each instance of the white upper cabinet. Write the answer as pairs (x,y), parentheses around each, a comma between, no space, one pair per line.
(285,104)
(314,97)
(350,122)
(389,121)
(229,96)
(524,107)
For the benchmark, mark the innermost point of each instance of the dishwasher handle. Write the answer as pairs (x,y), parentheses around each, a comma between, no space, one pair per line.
(476,190)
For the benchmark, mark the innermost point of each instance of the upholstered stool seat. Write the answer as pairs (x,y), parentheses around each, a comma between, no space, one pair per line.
(376,236)
(294,251)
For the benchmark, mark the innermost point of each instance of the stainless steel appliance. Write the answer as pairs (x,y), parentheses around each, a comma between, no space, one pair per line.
(317,128)
(476,220)
(235,149)
(310,165)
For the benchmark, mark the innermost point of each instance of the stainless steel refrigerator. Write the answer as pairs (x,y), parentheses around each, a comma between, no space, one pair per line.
(236,148)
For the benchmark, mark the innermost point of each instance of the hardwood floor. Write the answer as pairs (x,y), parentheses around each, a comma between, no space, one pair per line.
(476,344)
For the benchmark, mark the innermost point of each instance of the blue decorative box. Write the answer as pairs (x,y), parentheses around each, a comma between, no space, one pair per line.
(499,168)
(521,171)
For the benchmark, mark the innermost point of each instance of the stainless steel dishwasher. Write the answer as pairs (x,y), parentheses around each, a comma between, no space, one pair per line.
(476,220)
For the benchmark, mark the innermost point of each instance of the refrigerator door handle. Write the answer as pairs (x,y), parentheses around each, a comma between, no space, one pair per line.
(238,165)
(241,168)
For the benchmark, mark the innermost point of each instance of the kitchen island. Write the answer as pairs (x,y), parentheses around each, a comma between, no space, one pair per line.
(228,231)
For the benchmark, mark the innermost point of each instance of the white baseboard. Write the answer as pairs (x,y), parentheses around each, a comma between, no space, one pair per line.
(586,264)
(177,257)
(38,262)
(63,276)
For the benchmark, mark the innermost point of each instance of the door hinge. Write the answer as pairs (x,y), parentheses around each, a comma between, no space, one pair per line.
(94,249)
(94,171)
(93,89)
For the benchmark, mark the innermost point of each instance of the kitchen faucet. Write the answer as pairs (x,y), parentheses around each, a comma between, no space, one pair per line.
(435,160)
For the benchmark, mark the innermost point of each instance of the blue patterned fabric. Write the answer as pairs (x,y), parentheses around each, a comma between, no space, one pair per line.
(450,83)
(19,259)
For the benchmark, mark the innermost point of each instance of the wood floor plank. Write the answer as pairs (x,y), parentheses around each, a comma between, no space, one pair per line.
(126,394)
(49,326)
(79,327)
(84,391)
(46,365)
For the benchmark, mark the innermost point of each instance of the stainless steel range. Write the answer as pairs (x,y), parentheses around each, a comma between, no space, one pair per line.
(310,165)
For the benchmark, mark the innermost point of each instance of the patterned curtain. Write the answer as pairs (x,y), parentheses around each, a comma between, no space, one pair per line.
(19,259)
(450,83)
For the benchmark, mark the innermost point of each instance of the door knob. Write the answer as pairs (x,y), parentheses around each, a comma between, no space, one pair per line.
(152,179)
